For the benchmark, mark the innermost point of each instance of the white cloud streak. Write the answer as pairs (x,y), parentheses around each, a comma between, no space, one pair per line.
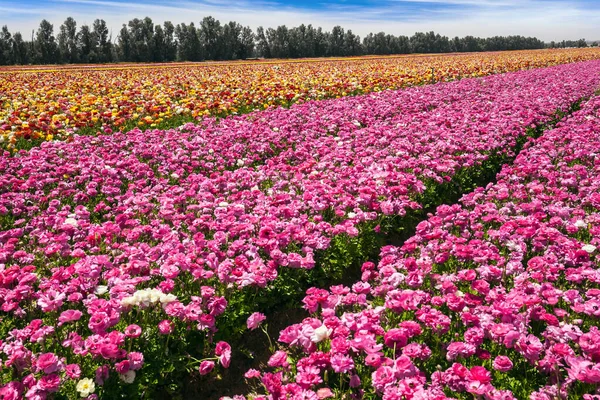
(548,20)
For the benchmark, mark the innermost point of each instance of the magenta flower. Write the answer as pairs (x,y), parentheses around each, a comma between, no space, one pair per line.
(255,320)
(206,367)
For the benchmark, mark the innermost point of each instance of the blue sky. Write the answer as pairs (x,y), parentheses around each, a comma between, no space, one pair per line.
(546,19)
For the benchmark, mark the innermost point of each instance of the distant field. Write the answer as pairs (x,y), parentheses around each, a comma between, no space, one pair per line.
(54,102)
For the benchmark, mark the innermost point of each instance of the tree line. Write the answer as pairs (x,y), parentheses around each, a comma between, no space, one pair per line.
(140,40)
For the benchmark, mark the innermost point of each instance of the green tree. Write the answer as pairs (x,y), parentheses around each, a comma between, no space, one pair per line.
(45,44)
(103,42)
(67,41)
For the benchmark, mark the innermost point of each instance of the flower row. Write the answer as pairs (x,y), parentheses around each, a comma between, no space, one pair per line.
(55,103)
(497,297)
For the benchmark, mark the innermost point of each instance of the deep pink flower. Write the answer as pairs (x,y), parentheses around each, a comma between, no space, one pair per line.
(48,363)
(165,327)
(73,371)
(255,320)
(223,351)
(206,367)
(279,359)
(503,364)
(133,331)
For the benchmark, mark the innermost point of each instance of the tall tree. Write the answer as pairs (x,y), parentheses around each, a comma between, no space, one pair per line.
(211,35)
(6,47)
(189,48)
(262,44)
(45,44)
(169,45)
(159,44)
(87,45)
(67,41)
(246,43)
(104,43)
(124,44)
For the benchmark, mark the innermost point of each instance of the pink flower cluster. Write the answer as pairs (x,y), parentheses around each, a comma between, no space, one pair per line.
(107,242)
(497,297)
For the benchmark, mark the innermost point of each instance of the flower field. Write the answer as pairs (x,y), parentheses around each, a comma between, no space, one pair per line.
(496,297)
(131,260)
(40,104)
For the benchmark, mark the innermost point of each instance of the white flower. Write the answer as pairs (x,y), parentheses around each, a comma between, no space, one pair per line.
(129,301)
(167,298)
(590,248)
(128,377)
(154,296)
(320,334)
(275,129)
(210,151)
(356,123)
(71,221)
(223,204)
(351,215)
(580,224)
(101,289)
(85,387)
(240,163)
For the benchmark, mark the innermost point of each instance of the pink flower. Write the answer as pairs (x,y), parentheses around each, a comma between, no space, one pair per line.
(69,316)
(395,338)
(255,320)
(382,377)
(47,362)
(223,351)
(503,364)
(341,363)
(279,359)
(324,393)
(165,327)
(123,366)
(49,383)
(136,360)
(73,371)
(101,374)
(206,367)
(11,391)
(373,360)
(251,374)
(133,331)
(478,373)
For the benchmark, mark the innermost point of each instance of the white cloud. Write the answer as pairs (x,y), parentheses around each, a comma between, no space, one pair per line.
(548,20)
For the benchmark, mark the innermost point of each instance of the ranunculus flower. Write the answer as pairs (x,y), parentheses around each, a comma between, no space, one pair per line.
(279,359)
(255,320)
(85,387)
(73,371)
(252,373)
(206,367)
(223,351)
(69,316)
(324,393)
(133,331)
(320,334)
(165,327)
(47,362)
(127,377)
